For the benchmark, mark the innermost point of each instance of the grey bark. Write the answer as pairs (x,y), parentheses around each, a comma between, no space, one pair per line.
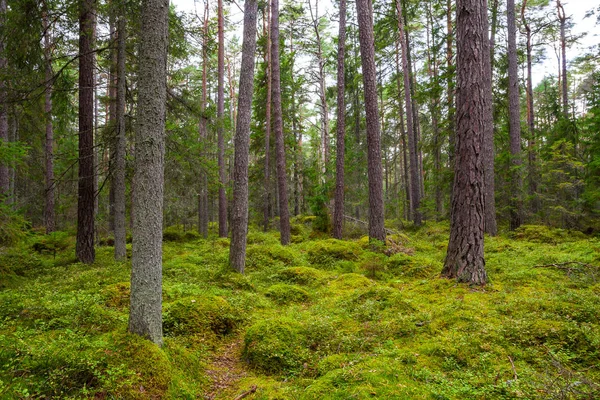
(464,259)
(86,191)
(367,54)
(514,118)
(562,18)
(450,92)
(4,174)
(239,206)
(112,108)
(284,213)
(203,134)
(49,203)
(414,170)
(220,121)
(338,210)
(145,315)
(267,204)
(120,145)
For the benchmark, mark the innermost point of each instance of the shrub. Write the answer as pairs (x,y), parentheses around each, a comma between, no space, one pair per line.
(52,243)
(176,234)
(193,315)
(284,294)
(275,346)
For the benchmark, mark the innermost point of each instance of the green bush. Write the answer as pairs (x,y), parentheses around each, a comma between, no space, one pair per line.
(284,294)
(52,243)
(201,314)
(177,234)
(275,346)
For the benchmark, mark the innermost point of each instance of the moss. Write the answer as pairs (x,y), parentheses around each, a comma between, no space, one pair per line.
(545,234)
(200,314)
(275,346)
(284,294)
(301,275)
(325,253)
(117,295)
(266,256)
(351,281)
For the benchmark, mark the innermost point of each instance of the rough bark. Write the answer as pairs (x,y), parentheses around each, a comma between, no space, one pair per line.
(267,204)
(364,13)
(145,315)
(112,108)
(338,210)
(86,193)
(530,115)
(450,92)
(49,212)
(4,174)
(514,119)
(239,206)
(120,145)
(562,18)
(220,121)
(284,213)
(491,227)
(414,170)
(203,134)
(464,259)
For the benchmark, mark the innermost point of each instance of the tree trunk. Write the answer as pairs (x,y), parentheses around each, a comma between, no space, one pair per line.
(414,170)
(145,315)
(220,122)
(239,207)
(86,193)
(530,117)
(4,175)
(491,227)
(562,18)
(112,108)
(338,211)
(120,144)
(514,117)
(49,213)
(367,54)
(450,94)
(267,205)
(464,260)
(284,214)
(203,134)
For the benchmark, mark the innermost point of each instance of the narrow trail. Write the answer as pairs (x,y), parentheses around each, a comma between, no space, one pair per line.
(225,370)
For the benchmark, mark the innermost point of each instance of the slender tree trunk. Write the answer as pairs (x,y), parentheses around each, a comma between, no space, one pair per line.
(49,213)
(491,227)
(120,145)
(203,134)
(284,214)
(338,210)
(514,117)
(414,170)
(85,206)
(239,207)
(145,314)
(405,169)
(112,108)
(4,175)
(450,93)
(562,18)
(220,122)
(367,54)
(464,259)
(530,117)
(267,205)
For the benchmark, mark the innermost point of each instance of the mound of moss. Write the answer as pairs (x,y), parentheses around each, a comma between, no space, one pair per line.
(301,275)
(200,314)
(284,294)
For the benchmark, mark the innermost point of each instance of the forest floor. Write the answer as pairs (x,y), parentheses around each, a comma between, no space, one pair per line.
(318,319)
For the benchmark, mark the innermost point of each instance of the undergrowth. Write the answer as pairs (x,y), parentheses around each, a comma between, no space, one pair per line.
(318,319)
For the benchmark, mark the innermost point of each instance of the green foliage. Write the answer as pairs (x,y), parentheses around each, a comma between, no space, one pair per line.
(325,253)
(544,234)
(178,234)
(199,315)
(285,294)
(301,275)
(12,225)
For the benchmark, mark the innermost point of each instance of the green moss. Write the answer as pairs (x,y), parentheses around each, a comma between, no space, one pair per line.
(285,294)
(200,314)
(275,346)
(301,275)
(325,253)
(270,255)
(117,295)
(545,234)
(351,281)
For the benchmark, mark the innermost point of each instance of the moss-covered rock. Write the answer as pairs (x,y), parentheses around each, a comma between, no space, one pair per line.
(285,294)
(275,346)
(200,314)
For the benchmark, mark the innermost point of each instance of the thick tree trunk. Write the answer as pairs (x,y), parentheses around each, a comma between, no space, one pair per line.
(464,260)
(49,213)
(86,200)
(267,200)
(338,210)
(562,18)
(414,169)
(284,214)
(491,227)
(203,134)
(239,207)
(530,117)
(367,54)
(220,121)
(145,315)
(514,118)
(120,145)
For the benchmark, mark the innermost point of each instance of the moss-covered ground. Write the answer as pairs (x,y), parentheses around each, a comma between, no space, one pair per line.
(319,319)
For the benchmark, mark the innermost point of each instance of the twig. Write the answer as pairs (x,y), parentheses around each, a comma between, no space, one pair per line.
(241,396)
(512,364)
(564,265)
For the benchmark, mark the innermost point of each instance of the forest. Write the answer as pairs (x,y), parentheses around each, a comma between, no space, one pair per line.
(308,199)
